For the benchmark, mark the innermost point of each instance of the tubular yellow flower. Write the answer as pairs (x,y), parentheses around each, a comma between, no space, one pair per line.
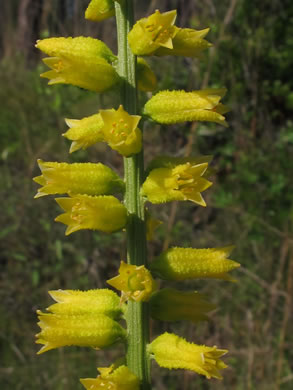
(181,182)
(136,283)
(75,302)
(121,132)
(90,330)
(148,34)
(82,61)
(120,378)
(169,304)
(77,178)
(169,107)
(174,352)
(187,43)
(190,263)
(99,10)
(84,132)
(146,79)
(104,213)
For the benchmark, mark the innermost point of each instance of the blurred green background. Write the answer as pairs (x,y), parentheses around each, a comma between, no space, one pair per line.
(249,204)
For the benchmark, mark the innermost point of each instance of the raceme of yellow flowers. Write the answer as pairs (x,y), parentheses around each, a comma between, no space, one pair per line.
(95,318)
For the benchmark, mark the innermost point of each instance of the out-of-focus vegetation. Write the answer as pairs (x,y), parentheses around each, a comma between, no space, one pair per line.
(249,204)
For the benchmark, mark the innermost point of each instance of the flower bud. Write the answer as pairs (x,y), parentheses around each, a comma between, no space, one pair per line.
(84,132)
(169,107)
(84,62)
(146,79)
(105,213)
(135,282)
(179,182)
(121,132)
(90,330)
(111,378)
(187,43)
(148,34)
(190,263)
(77,178)
(173,352)
(95,302)
(169,304)
(99,10)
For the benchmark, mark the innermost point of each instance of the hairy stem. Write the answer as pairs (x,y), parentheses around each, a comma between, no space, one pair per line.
(137,314)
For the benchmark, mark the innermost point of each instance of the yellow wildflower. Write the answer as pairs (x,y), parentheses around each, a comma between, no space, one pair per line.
(148,34)
(187,43)
(90,330)
(95,302)
(169,304)
(77,178)
(174,352)
(99,10)
(169,107)
(135,282)
(190,263)
(84,132)
(180,182)
(81,61)
(105,213)
(121,132)
(111,378)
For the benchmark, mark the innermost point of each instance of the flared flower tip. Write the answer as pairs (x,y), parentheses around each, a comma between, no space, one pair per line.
(105,213)
(121,132)
(181,182)
(135,282)
(120,378)
(148,34)
(173,352)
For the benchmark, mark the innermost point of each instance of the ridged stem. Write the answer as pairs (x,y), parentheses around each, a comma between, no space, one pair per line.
(137,313)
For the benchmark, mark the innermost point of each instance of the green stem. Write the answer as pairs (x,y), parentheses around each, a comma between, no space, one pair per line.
(137,313)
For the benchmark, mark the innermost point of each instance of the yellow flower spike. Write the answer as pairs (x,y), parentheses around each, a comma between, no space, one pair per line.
(146,79)
(174,352)
(169,107)
(84,132)
(169,304)
(90,330)
(148,34)
(99,10)
(104,213)
(187,43)
(190,263)
(75,302)
(135,282)
(81,61)
(181,182)
(120,378)
(121,131)
(77,178)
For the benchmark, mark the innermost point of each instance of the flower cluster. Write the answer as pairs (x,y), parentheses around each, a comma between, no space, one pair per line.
(93,199)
